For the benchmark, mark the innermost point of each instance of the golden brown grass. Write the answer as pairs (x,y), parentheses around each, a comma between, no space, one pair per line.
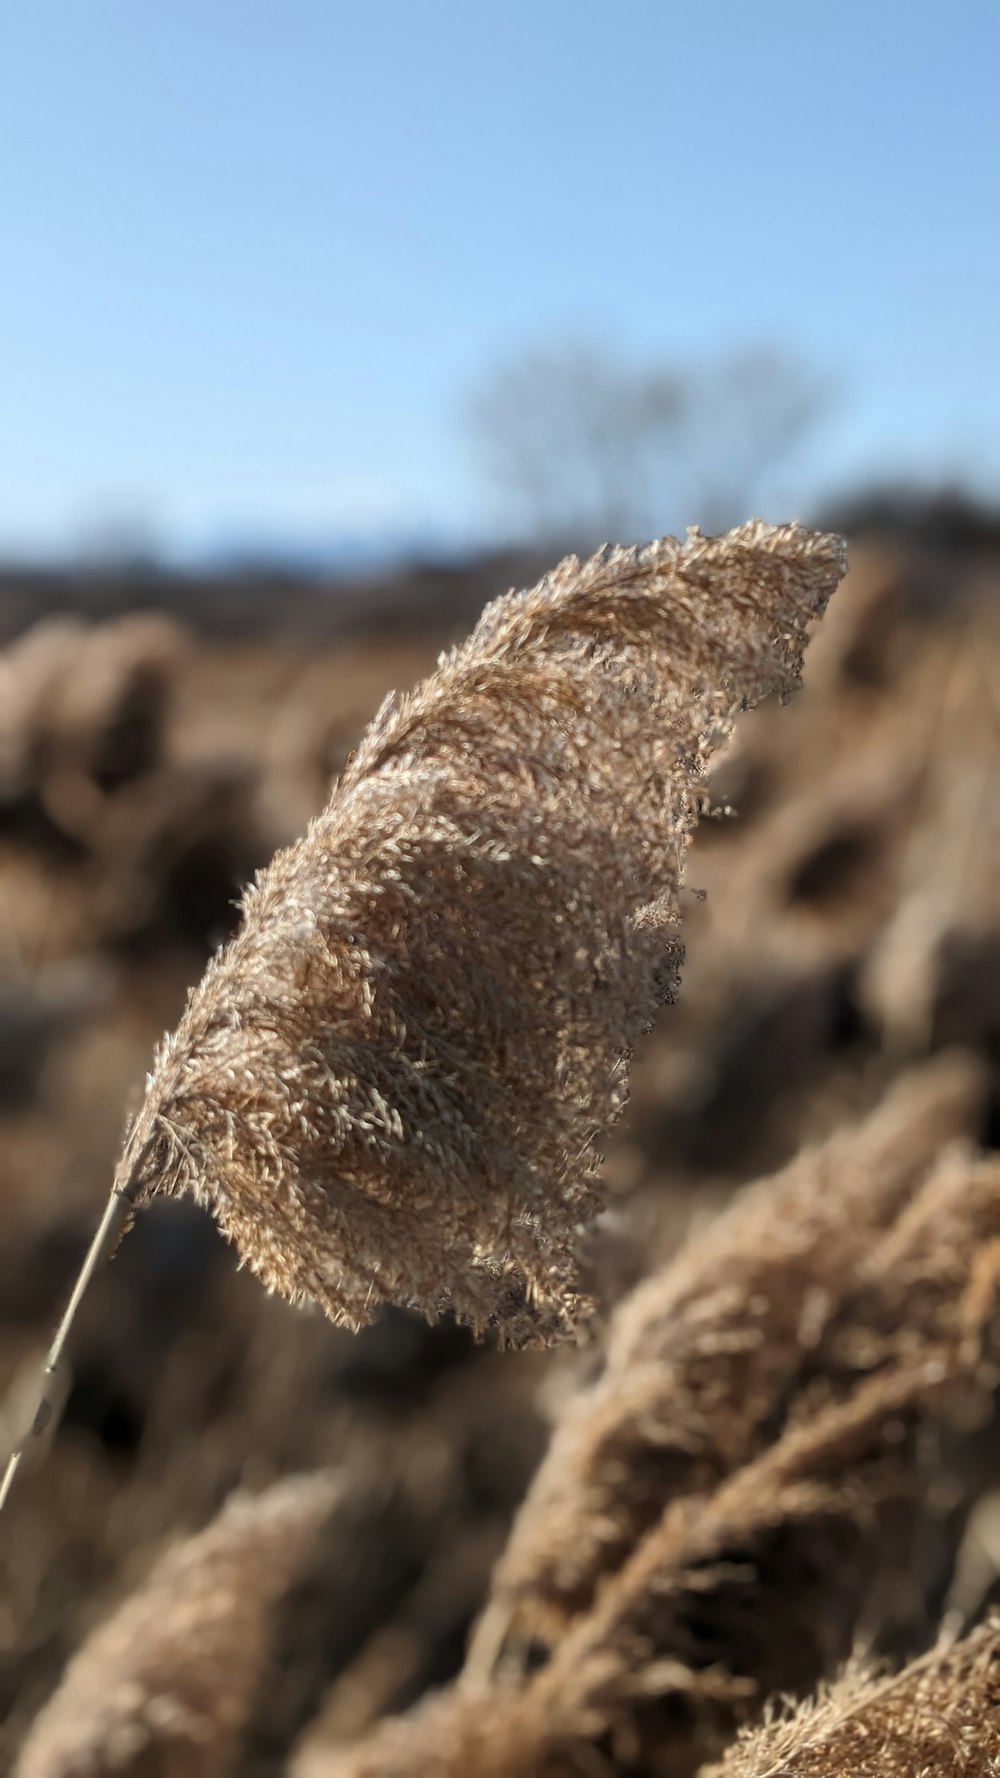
(388,1086)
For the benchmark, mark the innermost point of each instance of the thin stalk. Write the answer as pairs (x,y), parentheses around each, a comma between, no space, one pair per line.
(113,1225)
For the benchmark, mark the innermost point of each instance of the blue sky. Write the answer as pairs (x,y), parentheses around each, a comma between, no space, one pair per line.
(255,255)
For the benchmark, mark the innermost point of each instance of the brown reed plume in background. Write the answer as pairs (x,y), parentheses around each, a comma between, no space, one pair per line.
(388,1085)
(167,1684)
(752,1594)
(846,1525)
(702,1356)
(940,1715)
(82,714)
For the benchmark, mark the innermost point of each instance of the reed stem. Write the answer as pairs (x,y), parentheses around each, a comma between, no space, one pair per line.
(113,1225)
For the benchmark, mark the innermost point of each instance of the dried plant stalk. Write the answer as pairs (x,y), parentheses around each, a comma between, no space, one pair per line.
(387,1086)
(940,1715)
(702,1357)
(166,1686)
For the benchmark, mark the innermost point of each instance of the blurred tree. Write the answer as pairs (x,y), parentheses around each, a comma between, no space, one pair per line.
(582,446)
(746,416)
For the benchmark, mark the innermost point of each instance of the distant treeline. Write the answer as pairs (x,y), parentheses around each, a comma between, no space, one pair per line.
(274,598)
(268,599)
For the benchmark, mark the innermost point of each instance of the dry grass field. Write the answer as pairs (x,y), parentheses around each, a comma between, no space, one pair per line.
(776,1445)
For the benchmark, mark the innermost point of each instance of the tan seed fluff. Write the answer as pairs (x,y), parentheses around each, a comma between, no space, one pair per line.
(387,1086)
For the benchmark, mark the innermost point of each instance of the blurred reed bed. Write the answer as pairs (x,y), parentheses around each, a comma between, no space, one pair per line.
(847,1525)
(845,1528)
(850,912)
(171,1681)
(803,1000)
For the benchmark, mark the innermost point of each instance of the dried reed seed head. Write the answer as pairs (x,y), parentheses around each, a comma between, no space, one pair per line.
(940,1715)
(703,1354)
(851,1520)
(759,1591)
(927,1287)
(388,1085)
(766,1586)
(815,1216)
(164,1688)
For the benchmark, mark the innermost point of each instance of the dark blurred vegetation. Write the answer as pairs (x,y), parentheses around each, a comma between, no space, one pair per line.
(435,595)
(267,600)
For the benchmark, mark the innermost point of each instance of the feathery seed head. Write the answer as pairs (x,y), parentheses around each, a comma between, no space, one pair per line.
(940,1714)
(387,1086)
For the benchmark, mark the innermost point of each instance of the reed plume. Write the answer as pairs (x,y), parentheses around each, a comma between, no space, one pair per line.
(759,1591)
(83,712)
(166,1686)
(846,1527)
(388,1085)
(702,1356)
(940,1715)
(848,1523)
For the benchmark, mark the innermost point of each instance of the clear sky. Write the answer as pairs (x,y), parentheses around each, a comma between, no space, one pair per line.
(254,254)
